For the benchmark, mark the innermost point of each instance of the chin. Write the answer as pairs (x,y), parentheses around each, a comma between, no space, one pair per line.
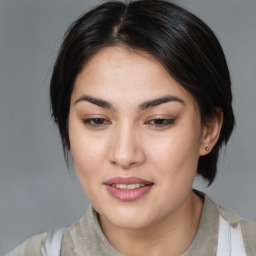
(133,219)
(130,224)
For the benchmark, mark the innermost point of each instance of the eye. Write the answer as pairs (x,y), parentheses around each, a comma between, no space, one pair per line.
(96,122)
(161,122)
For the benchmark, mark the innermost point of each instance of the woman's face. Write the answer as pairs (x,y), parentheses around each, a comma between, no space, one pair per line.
(135,137)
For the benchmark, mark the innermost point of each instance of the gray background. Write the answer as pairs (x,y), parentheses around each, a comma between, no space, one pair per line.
(37,192)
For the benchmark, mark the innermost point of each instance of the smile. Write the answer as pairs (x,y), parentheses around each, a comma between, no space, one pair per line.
(128,189)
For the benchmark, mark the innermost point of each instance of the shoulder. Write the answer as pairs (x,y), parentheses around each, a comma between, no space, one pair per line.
(31,247)
(249,235)
(85,237)
(248,228)
(82,236)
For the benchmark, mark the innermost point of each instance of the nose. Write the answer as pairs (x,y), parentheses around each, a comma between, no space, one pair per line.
(126,148)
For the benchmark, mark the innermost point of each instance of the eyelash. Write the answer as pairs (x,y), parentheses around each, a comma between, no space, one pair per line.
(162,122)
(158,122)
(92,122)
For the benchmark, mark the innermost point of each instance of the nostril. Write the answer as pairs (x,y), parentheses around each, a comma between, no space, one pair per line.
(124,165)
(125,151)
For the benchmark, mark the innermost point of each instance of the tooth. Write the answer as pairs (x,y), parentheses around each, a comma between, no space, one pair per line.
(128,187)
(123,186)
(131,186)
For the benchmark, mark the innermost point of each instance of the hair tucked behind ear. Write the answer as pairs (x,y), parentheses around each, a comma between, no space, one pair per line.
(180,41)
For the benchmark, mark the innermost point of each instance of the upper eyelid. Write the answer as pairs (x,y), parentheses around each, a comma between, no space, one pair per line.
(85,116)
(155,117)
(93,118)
(87,122)
(161,116)
(168,119)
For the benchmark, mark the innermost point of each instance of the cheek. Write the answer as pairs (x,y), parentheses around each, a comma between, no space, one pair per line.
(87,160)
(86,152)
(176,160)
(177,153)
(176,147)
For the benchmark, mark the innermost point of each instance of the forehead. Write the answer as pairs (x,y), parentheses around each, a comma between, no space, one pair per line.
(118,72)
(124,63)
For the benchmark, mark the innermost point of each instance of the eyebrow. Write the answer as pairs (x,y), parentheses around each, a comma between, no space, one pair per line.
(143,106)
(159,101)
(98,102)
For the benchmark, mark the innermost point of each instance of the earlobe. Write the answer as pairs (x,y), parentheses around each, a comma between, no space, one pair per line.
(211,133)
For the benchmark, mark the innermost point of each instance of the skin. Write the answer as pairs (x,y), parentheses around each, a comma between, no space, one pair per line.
(127,142)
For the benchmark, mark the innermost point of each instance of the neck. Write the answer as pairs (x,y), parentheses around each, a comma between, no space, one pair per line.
(171,236)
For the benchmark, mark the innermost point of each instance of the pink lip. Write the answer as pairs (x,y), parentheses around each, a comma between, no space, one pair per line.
(127,181)
(125,194)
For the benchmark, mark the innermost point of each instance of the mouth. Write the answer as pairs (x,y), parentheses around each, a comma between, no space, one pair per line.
(129,186)
(128,189)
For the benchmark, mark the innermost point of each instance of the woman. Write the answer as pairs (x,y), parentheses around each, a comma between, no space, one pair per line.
(142,98)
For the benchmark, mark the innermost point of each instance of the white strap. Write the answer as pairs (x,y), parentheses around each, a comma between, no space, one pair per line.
(52,245)
(224,238)
(230,241)
(237,243)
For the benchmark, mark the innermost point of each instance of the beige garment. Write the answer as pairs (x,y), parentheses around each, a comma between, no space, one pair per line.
(85,237)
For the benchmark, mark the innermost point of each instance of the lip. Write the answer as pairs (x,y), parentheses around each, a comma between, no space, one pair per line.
(126,181)
(125,194)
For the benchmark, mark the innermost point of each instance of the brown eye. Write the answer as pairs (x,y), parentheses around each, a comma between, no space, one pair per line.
(96,122)
(161,122)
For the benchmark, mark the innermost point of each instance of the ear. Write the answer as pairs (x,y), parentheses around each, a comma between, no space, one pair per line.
(211,132)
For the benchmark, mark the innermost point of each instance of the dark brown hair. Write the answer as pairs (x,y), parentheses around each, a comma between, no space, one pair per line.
(180,41)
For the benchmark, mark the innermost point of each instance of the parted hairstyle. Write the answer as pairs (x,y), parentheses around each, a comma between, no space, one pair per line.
(182,43)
